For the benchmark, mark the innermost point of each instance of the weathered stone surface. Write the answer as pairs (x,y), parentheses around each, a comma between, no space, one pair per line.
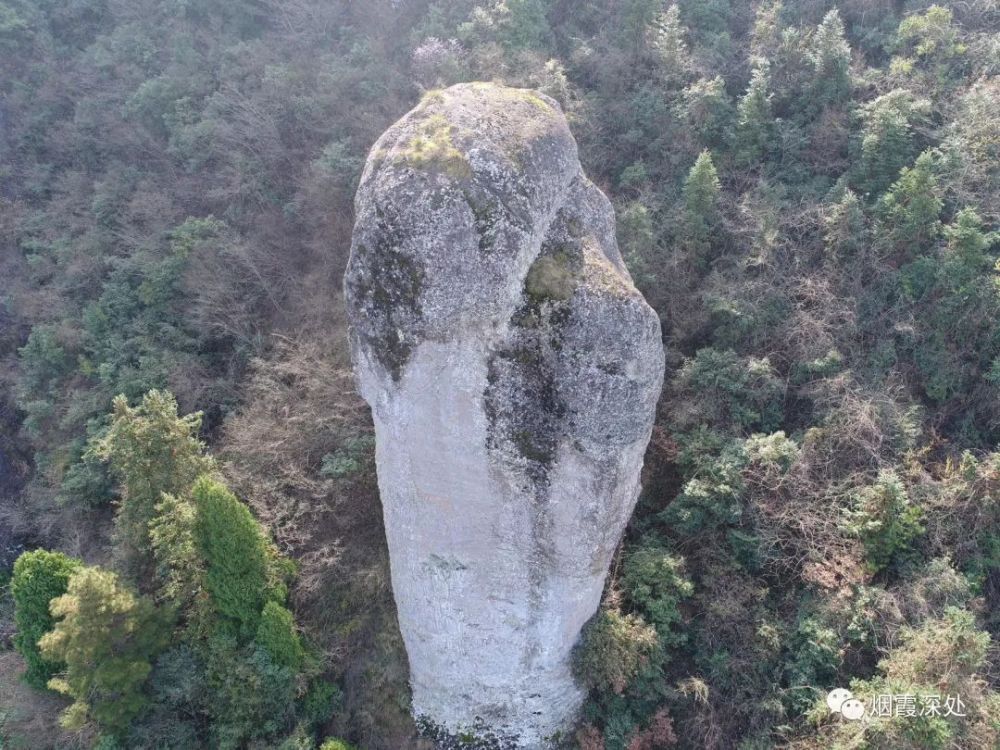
(512,369)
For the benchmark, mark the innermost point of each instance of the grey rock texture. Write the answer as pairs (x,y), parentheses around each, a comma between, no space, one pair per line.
(513,370)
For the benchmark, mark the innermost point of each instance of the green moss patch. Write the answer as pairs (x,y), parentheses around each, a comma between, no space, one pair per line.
(552,277)
(431,149)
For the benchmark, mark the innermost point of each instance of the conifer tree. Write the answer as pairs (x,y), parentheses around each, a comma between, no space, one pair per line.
(701,211)
(178,563)
(831,58)
(908,213)
(39,577)
(755,122)
(667,38)
(237,558)
(887,137)
(766,29)
(151,451)
(844,224)
(107,636)
(276,635)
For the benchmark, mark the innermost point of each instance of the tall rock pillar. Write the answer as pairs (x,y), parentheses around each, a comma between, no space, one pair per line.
(513,370)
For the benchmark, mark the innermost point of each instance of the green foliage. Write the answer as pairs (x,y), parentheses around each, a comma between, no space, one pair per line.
(516,24)
(252,696)
(320,702)
(939,658)
(908,212)
(705,108)
(956,346)
(840,291)
(238,570)
(655,583)
(152,451)
(667,39)
(831,58)
(886,521)
(332,743)
(816,658)
(887,141)
(276,635)
(711,16)
(742,393)
(349,460)
(929,39)
(713,498)
(701,208)
(172,536)
(753,137)
(39,577)
(637,236)
(614,647)
(43,359)
(107,637)
(844,224)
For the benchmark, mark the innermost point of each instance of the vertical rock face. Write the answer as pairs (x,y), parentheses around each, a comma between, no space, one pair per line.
(512,369)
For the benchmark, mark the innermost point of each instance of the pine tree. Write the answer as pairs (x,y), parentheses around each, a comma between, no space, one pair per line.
(967,242)
(152,451)
(908,213)
(523,23)
(831,58)
(701,207)
(887,137)
(755,123)
(667,38)
(107,636)
(705,108)
(39,577)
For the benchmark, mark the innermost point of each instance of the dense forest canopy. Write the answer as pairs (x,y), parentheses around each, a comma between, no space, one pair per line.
(808,193)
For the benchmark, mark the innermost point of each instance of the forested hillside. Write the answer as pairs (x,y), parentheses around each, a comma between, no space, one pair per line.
(807,192)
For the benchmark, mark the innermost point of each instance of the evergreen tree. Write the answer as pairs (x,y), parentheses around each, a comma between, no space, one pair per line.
(887,137)
(667,39)
(151,451)
(831,58)
(844,224)
(701,207)
(637,18)
(929,40)
(754,123)
(766,34)
(908,213)
(237,557)
(706,109)
(107,636)
(178,564)
(39,577)
(252,695)
(276,635)
(523,23)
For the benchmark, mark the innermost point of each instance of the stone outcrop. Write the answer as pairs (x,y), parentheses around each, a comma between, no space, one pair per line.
(513,370)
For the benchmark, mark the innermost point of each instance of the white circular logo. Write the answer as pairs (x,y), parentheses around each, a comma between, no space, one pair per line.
(836,697)
(852,709)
